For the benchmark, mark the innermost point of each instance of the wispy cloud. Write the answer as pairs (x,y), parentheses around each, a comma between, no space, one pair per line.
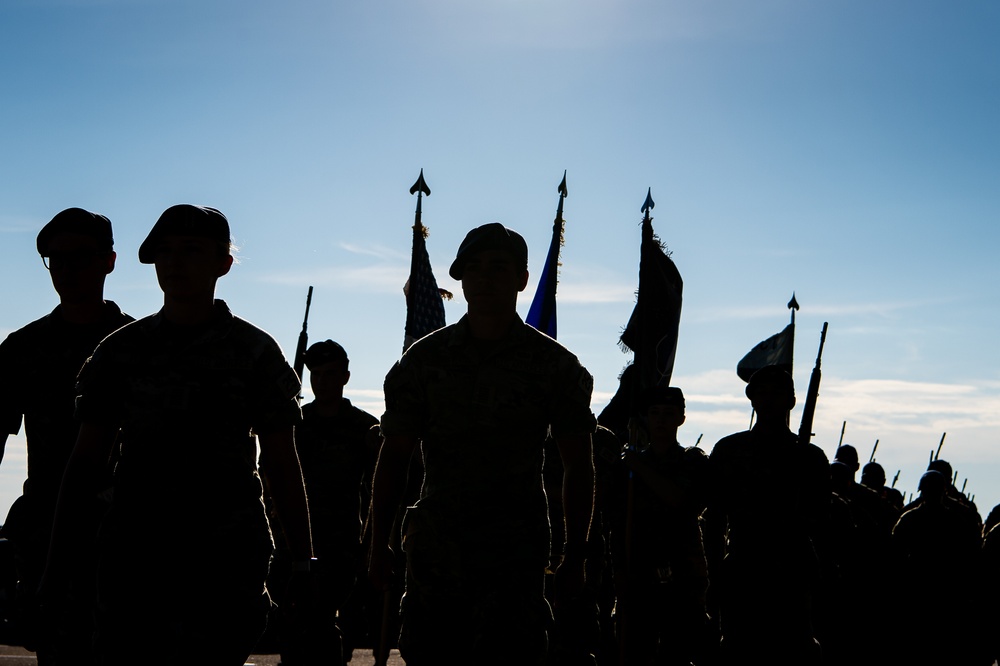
(378,251)
(378,278)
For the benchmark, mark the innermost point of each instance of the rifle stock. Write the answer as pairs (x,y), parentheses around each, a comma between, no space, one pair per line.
(809,410)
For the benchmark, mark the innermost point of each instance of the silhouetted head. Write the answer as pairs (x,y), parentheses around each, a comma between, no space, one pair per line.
(771,392)
(661,395)
(328,373)
(78,249)
(942,466)
(186,220)
(873,476)
(76,221)
(327,351)
(841,477)
(848,455)
(493,236)
(933,485)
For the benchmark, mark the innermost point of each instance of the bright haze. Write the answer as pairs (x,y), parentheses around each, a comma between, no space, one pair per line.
(845,151)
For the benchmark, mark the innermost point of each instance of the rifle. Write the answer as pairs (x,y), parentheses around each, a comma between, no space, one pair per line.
(809,410)
(937,454)
(299,363)
(871,458)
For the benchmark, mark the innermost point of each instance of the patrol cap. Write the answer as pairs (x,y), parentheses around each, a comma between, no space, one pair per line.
(185,220)
(660,395)
(492,236)
(324,352)
(771,374)
(76,221)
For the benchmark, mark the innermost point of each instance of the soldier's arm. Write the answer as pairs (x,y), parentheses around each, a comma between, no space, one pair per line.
(387,492)
(576,452)
(81,480)
(282,473)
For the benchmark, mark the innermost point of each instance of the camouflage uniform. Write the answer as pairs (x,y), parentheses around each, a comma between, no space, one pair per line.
(477,540)
(39,364)
(185,547)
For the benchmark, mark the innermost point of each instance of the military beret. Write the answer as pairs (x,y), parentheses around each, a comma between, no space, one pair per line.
(492,236)
(185,220)
(75,221)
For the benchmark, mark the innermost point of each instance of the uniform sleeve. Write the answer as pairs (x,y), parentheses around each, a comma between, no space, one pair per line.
(11,392)
(276,388)
(405,412)
(571,414)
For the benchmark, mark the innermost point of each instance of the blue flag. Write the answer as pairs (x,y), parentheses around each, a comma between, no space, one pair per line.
(542,313)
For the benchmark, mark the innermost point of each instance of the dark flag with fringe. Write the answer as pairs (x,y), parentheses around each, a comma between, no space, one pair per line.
(424,300)
(651,332)
(542,313)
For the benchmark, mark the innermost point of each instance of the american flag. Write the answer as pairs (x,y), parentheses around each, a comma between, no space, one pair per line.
(424,301)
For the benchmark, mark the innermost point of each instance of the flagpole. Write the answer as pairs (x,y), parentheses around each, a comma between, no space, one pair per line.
(542,312)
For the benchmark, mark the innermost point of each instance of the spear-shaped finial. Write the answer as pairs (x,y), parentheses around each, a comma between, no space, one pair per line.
(648,204)
(563,193)
(793,305)
(420,189)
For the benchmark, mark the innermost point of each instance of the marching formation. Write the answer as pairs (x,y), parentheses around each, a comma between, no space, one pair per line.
(180,500)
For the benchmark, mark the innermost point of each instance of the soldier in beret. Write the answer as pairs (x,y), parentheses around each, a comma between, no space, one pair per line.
(480,396)
(38,368)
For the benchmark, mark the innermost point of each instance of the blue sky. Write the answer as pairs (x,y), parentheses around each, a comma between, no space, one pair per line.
(846,151)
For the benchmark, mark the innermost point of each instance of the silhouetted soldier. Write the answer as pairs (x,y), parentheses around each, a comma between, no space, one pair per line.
(660,553)
(954,493)
(873,476)
(38,368)
(480,396)
(937,550)
(770,495)
(337,447)
(185,546)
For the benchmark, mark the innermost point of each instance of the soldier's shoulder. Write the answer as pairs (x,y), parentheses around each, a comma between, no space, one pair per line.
(30,333)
